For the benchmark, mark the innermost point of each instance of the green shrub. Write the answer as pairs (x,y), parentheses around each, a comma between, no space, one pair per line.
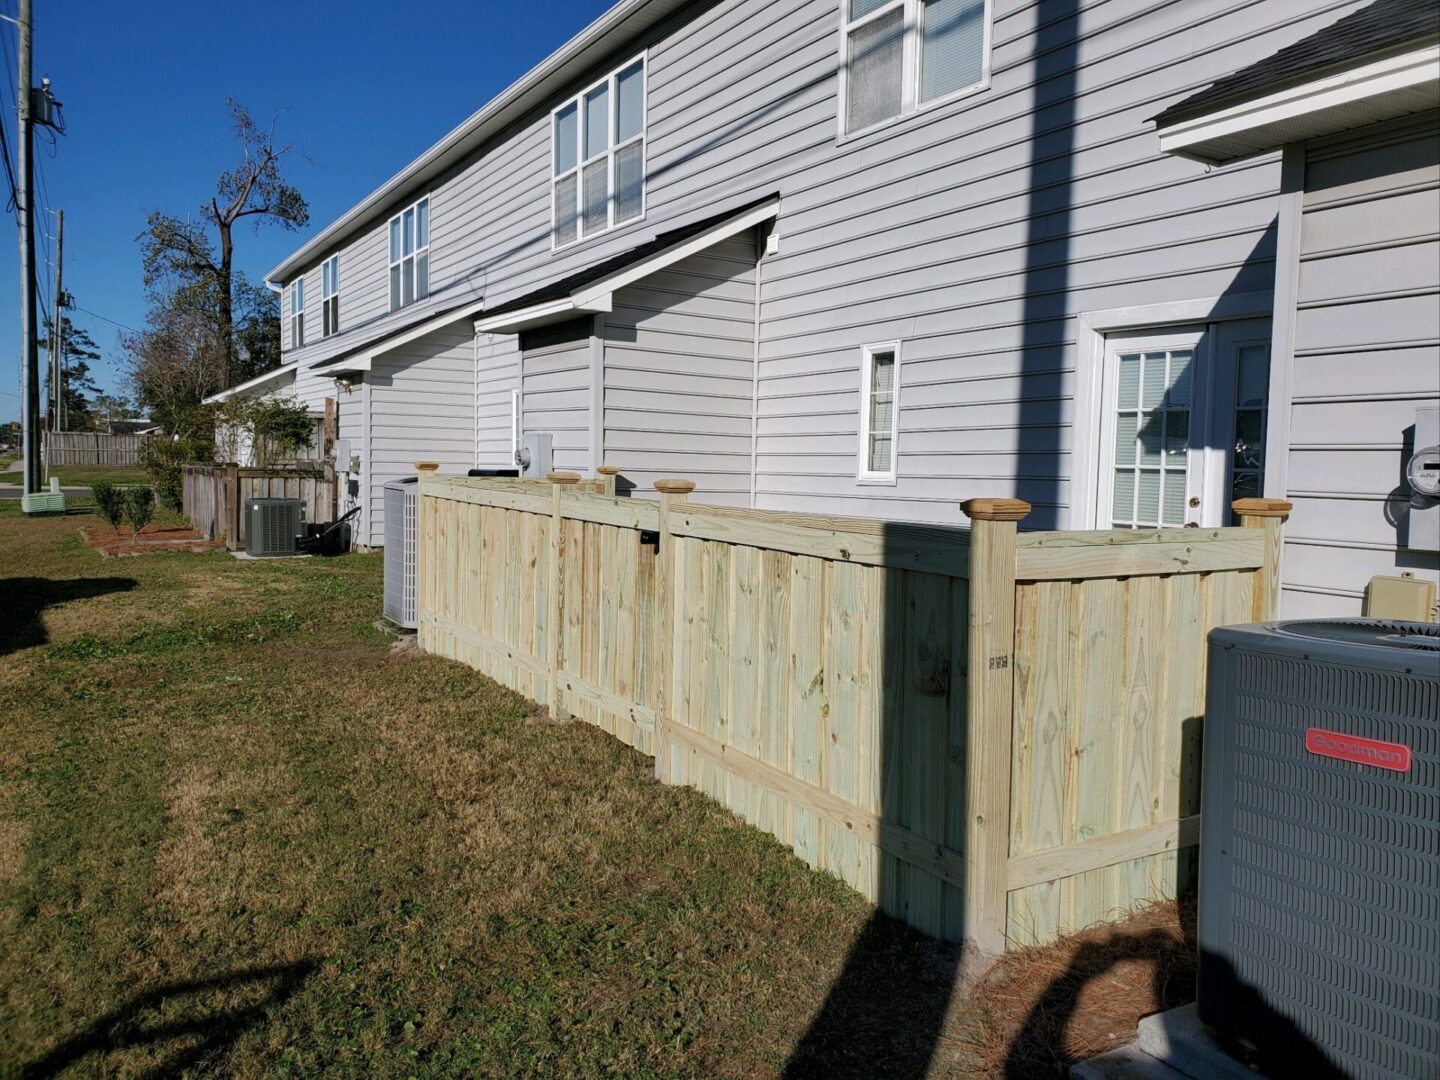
(139,507)
(109,501)
(164,460)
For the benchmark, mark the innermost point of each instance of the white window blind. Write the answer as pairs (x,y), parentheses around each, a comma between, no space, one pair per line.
(330,296)
(297,313)
(598,156)
(903,55)
(879,412)
(410,255)
(1152,438)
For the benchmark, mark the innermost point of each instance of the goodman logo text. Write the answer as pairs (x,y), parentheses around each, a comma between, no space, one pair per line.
(1336,744)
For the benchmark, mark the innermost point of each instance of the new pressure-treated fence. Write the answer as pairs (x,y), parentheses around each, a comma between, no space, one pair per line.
(213,495)
(91,448)
(991,735)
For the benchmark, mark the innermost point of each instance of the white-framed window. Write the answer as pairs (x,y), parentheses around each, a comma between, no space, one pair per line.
(598,156)
(410,255)
(879,412)
(297,313)
(899,56)
(330,296)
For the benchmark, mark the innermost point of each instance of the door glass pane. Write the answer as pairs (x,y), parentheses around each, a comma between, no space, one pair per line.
(1253,376)
(1252,387)
(1177,436)
(597,195)
(1129,380)
(1153,381)
(630,101)
(629,181)
(1126,428)
(1147,507)
(597,120)
(876,57)
(1181,362)
(566,138)
(1174,496)
(1151,431)
(1123,511)
(952,44)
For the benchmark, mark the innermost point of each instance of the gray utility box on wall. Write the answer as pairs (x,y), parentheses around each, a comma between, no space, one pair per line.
(272,527)
(402,512)
(1319,921)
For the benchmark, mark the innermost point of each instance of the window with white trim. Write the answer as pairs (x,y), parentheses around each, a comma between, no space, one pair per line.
(330,296)
(410,255)
(297,313)
(598,156)
(905,55)
(879,412)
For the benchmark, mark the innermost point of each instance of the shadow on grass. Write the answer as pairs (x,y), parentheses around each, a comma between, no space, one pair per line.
(24,598)
(204,1033)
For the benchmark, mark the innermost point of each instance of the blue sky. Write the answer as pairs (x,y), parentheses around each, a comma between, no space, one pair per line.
(365,87)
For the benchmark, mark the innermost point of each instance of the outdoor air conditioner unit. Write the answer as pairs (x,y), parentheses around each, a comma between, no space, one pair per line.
(402,505)
(272,526)
(1319,918)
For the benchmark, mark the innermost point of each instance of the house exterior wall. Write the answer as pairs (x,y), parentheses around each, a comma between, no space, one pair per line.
(974,233)
(1366,354)
(555,390)
(497,377)
(350,424)
(417,414)
(679,376)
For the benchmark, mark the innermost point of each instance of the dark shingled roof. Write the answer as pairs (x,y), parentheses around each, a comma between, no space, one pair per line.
(1384,26)
(567,286)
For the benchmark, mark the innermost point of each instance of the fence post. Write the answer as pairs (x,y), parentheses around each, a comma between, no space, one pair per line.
(607,478)
(233,511)
(673,494)
(990,690)
(559,481)
(1270,515)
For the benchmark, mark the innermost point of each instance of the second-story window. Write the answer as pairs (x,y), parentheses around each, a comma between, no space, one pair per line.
(297,313)
(598,159)
(903,55)
(410,255)
(330,296)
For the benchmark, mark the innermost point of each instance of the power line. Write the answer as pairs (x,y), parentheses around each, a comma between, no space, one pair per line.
(104,318)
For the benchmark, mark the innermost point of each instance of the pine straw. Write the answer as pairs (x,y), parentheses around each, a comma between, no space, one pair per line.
(1040,1010)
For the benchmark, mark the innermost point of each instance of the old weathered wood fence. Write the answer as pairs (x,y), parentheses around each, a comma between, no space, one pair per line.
(213,495)
(91,448)
(992,735)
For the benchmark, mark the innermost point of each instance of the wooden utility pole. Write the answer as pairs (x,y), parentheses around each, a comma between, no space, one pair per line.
(57,329)
(25,212)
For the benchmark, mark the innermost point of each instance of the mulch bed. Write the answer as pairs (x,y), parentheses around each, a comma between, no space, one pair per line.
(153,540)
(1043,1009)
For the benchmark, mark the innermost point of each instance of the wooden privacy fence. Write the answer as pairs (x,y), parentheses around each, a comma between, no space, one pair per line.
(213,495)
(91,448)
(993,736)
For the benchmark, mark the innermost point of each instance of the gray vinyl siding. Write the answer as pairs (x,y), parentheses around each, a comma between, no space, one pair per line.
(1367,354)
(974,232)
(420,410)
(350,424)
(556,389)
(680,374)
(497,376)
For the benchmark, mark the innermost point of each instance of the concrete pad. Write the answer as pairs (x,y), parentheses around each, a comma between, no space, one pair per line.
(1126,1063)
(1178,1038)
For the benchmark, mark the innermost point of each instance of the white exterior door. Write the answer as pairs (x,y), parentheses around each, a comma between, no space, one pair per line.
(1182,424)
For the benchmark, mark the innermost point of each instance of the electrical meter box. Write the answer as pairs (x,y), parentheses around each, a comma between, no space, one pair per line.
(1423,474)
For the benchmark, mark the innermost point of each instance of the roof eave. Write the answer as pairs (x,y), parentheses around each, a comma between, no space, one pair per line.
(263,379)
(1396,85)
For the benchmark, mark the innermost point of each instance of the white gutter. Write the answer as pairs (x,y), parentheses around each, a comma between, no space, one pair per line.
(273,375)
(1400,79)
(556,71)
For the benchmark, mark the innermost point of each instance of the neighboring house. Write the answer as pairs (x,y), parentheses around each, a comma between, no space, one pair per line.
(1355,111)
(277,382)
(869,257)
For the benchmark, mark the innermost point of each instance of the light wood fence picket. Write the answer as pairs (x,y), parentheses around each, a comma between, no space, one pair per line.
(213,496)
(993,735)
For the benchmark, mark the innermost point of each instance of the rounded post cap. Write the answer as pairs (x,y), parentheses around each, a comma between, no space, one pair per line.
(563,477)
(1262,508)
(995,509)
(674,487)
(426,466)
(608,470)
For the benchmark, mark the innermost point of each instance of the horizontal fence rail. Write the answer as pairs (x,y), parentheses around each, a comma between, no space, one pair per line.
(213,496)
(992,735)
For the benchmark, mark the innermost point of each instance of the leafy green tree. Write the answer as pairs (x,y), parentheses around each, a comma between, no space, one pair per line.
(139,507)
(77,352)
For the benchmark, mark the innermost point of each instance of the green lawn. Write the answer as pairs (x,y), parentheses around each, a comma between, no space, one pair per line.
(242,835)
(85,475)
